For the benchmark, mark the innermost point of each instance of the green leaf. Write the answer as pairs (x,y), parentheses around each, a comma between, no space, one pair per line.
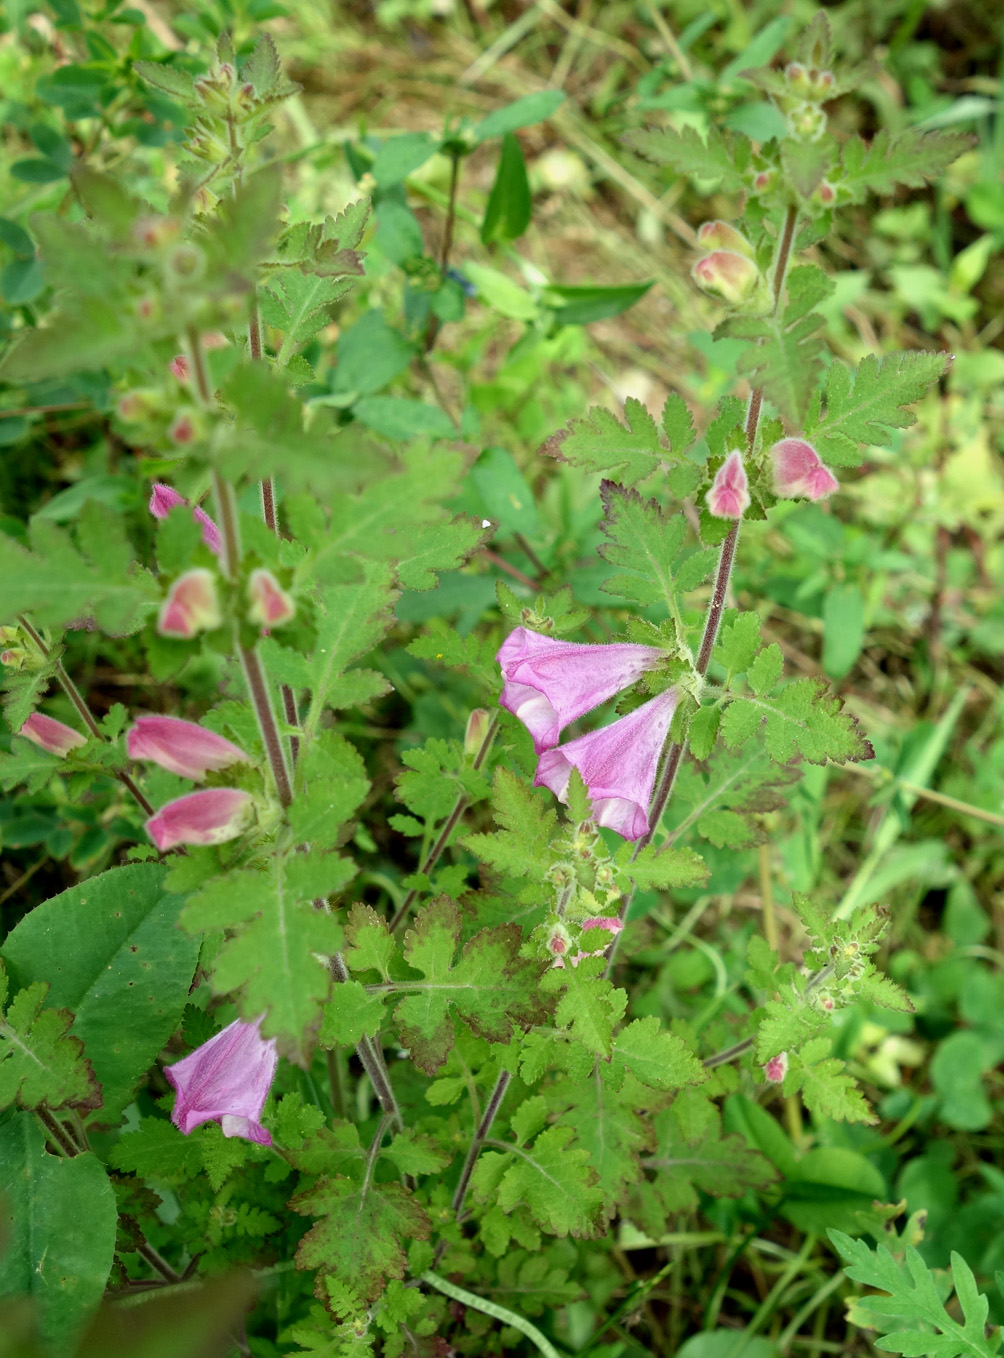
(299,304)
(490,987)
(914,1296)
(762,675)
(658,1059)
(157,1152)
(661,869)
(532,108)
(371,354)
(37,170)
(584,305)
(349,1015)
(785,357)
(863,405)
(738,643)
(400,156)
(39,1063)
(720,157)
(370,943)
(826,1088)
(553,1180)
(507,214)
(590,1007)
(600,443)
(273,956)
(910,157)
(331,783)
(170,80)
(804,718)
(645,542)
(506,496)
(113,954)
(361,1236)
(607,1124)
(522,848)
(58,1218)
(843,629)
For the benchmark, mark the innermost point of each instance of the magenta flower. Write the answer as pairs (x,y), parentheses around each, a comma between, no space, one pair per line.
(617,764)
(550,683)
(729,495)
(799,471)
(192,605)
(269,604)
(200,818)
(226,1080)
(181,747)
(165,498)
(51,735)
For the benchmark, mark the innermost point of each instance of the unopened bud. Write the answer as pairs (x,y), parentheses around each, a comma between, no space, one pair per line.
(192,606)
(214,339)
(776,1069)
(824,194)
(269,604)
(186,261)
(728,275)
(824,82)
(148,308)
(796,75)
(477,728)
(717,235)
(179,367)
(182,429)
(799,473)
(762,180)
(156,232)
(13,658)
(49,734)
(136,405)
(806,121)
(729,495)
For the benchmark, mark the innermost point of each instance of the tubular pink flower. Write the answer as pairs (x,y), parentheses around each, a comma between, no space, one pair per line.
(191,606)
(165,498)
(226,1080)
(550,683)
(51,735)
(776,1069)
(200,818)
(729,495)
(181,747)
(269,604)
(799,471)
(617,764)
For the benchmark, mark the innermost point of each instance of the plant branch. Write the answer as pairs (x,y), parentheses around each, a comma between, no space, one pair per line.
(449,825)
(371,1057)
(80,703)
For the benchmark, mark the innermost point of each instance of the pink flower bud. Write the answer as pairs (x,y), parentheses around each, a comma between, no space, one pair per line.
(165,498)
(182,429)
(763,180)
(192,606)
(825,194)
(181,747)
(729,275)
(799,473)
(796,75)
(179,367)
(51,735)
(226,1080)
(201,818)
(729,495)
(269,604)
(214,339)
(477,729)
(776,1069)
(717,235)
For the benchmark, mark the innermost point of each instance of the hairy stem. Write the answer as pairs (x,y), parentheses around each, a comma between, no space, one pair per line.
(371,1056)
(484,1127)
(84,712)
(449,825)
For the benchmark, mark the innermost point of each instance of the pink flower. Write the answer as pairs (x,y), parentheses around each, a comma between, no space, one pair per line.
(269,604)
(799,472)
(51,735)
(609,922)
(776,1069)
(729,495)
(165,498)
(550,683)
(181,747)
(226,1080)
(200,818)
(192,606)
(617,764)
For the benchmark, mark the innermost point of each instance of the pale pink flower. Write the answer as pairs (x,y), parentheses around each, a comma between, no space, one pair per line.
(729,495)
(165,498)
(226,1080)
(550,683)
(202,818)
(609,922)
(51,735)
(799,471)
(192,606)
(269,604)
(727,274)
(181,747)
(617,763)
(718,235)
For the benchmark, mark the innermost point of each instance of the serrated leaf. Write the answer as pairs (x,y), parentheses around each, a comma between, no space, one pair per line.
(738,643)
(590,1007)
(606,1121)
(39,1062)
(717,157)
(762,675)
(489,986)
(786,356)
(644,541)
(350,1014)
(911,157)
(655,1057)
(552,1179)
(170,80)
(627,452)
(803,719)
(863,405)
(661,869)
(298,304)
(370,943)
(361,1236)
(522,848)
(826,1088)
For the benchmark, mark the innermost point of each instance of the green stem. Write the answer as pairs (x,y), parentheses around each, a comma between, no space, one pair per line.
(491,1308)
